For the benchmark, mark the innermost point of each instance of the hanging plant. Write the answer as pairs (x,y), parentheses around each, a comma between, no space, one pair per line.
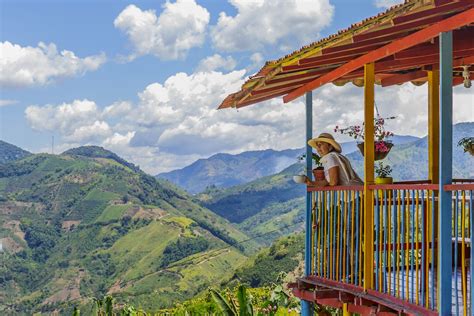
(382,143)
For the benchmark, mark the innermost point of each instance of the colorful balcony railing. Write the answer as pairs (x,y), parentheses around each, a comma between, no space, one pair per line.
(463,252)
(405,248)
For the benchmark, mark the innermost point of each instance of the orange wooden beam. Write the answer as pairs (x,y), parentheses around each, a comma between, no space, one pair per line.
(411,40)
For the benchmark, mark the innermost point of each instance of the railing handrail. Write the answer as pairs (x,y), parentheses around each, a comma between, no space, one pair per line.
(419,186)
(459,186)
(336,188)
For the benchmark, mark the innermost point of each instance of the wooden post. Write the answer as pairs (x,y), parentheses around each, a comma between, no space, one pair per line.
(433,126)
(345,310)
(306,307)
(445,172)
(369,79)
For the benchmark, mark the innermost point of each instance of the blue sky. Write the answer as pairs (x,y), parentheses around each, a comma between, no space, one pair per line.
(143,78)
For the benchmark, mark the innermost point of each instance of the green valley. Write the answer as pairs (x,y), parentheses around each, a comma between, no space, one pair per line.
(85,224)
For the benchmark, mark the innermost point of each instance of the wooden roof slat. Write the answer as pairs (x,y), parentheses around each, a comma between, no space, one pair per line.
(344,53)
(398,79)
(440,9)
(411,40)
(402,27)
(368,42)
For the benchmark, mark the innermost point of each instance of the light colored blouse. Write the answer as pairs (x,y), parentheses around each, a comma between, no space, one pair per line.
(347,175)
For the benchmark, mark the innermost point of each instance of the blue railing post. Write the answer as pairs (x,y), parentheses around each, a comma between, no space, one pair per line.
(306,307)
(445,171)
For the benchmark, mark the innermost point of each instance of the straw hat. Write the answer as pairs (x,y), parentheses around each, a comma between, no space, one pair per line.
(327,138)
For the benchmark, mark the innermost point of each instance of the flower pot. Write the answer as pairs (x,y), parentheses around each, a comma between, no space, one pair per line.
(299,178)
(378,154)
(387,180)
(318,174)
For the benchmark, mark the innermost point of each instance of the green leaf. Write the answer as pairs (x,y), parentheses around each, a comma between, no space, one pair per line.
(222,303)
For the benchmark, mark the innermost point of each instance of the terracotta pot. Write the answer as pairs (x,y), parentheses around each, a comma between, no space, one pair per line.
(318,174)
(377,154)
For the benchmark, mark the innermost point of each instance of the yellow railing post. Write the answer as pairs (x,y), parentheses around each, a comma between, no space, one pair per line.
(433,126)
(369,79)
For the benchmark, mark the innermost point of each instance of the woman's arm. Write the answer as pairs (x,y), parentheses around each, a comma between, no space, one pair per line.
(333,176)
(333,179)
(317,183)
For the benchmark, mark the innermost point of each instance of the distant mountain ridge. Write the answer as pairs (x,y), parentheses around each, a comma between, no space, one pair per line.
(9,152)
(226,170)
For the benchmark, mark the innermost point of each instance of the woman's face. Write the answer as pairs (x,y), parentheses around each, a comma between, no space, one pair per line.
(323,148)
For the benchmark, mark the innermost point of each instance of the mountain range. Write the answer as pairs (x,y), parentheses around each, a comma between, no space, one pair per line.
(226,170)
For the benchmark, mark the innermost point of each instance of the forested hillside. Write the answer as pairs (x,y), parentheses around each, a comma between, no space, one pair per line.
(9,152)
(86,223)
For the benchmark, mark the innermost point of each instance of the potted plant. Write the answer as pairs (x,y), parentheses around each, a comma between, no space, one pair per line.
(382,144)
(383,174)
(318,171)
(467,143)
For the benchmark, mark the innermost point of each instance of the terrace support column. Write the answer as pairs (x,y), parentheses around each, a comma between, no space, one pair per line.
(433,126)
(306,307)
(369,80)
(433,140)
(445,171)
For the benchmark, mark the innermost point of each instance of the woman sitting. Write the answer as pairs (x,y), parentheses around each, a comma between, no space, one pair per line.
(337,168)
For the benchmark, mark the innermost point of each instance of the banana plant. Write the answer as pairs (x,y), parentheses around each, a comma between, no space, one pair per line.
(228,305)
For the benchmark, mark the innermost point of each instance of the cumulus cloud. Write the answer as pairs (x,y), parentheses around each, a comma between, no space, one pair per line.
(4,102)
(117,109)
(173,123)
(387,3)
(180,27)
(216,62)
(31,66)
(285,23)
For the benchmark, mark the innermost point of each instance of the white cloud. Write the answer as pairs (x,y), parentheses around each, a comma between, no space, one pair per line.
(180,27)
(117,109)
(64,118)
(176,122)
(258,23)
(31,66)
(4,102)
(216,62)
(257,62)
(89,133)
(387,3)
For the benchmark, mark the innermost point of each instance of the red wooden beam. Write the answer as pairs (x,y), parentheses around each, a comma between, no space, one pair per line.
(411,40)
(451,7)
(397,79)
(465,42)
